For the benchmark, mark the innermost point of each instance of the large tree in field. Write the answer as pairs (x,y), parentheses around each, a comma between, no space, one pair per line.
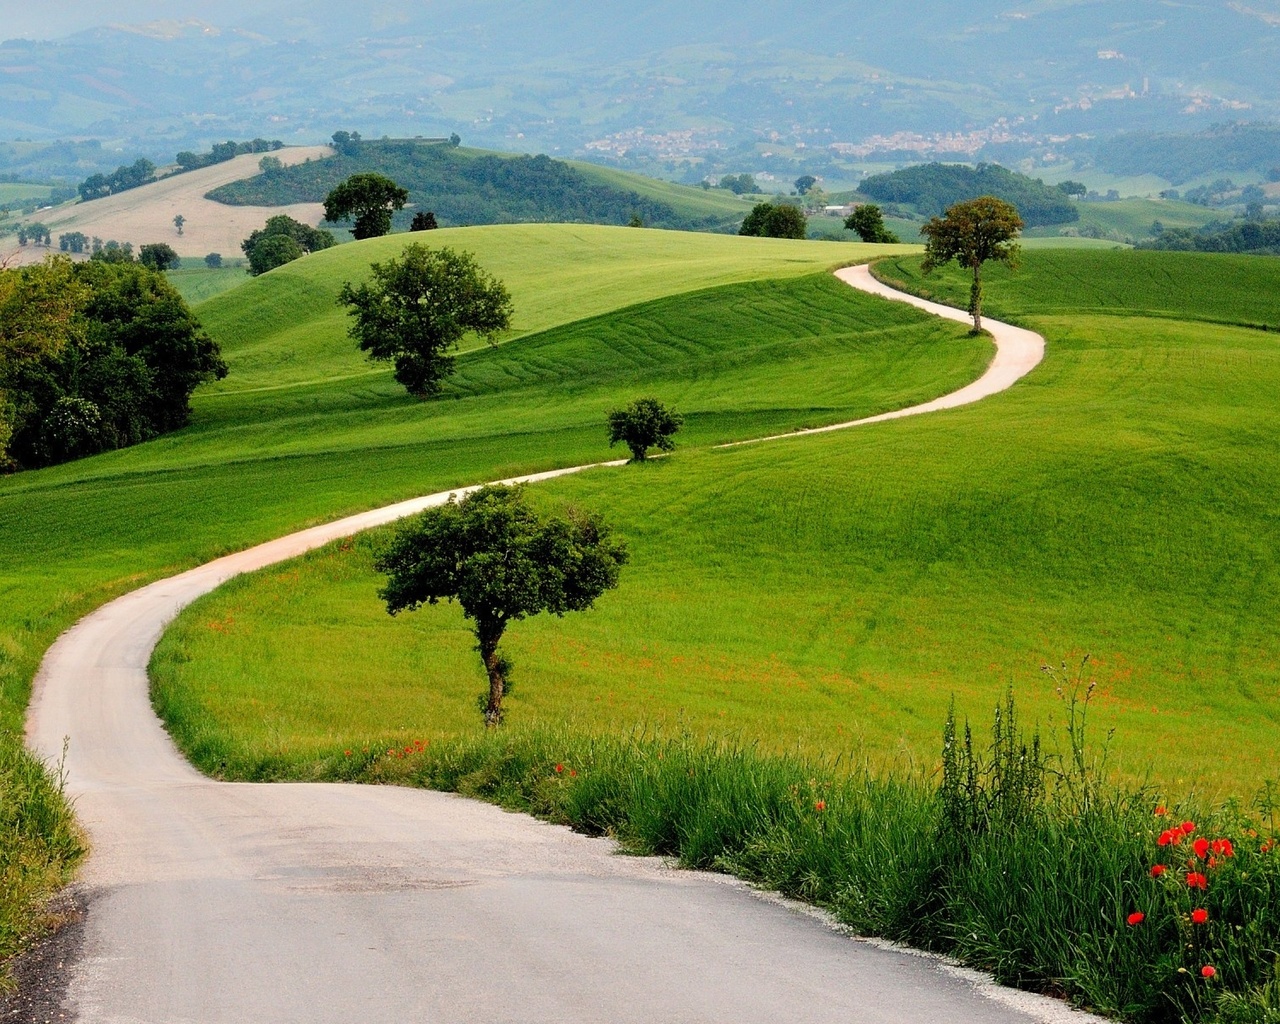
(502,561)
(775,220)
(419,306)
(973,233)
(868,221)
(370,199)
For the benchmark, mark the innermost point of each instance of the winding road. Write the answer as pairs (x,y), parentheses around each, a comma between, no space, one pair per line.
(227,903)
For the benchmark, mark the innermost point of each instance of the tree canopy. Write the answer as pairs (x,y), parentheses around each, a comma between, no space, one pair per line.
(973,233)
(646,423)
(868,221)
(502,561)
(417,307)
(95,356)
(775,220)
(159,256)
(931,188)
(370,199)
(282,240)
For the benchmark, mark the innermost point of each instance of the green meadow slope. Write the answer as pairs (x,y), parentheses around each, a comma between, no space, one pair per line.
(831,593)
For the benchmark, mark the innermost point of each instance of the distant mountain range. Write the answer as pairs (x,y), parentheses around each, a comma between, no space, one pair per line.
(664,86)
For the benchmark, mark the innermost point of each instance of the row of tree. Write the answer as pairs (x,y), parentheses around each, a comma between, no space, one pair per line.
(1261,237)
(143,171)
(94,356)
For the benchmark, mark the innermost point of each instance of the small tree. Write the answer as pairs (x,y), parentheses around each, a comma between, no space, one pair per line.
(419,306)
(868,221)
(971,233)
(775,220)
(370,199)
(158,256)
(213,261)
(502,562)
(804,184)
(646,423)
(1073,188)
(273,251)
(424,220)
(178,222)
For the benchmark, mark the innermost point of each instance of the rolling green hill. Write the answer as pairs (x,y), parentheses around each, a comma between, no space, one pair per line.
(469,186)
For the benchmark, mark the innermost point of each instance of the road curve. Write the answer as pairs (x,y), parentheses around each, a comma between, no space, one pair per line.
(213,902)
(1018,352)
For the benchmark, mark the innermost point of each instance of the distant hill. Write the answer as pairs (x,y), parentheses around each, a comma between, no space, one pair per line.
(468,186)
(1179,158)
(931,188)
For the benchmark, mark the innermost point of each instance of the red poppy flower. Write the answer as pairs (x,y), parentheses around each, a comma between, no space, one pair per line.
(1168,837)
(347,753)
(1201,846)
(1199,915)
(1195,880)
(573,773)
(1223,848)
(1157,870)
(1188,827)
(1137,917)
(819,805)
(559,769)
(1208,971)
(1161,811)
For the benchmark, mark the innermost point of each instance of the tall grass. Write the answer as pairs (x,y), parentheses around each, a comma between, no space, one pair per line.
(39,846)
(1019,861)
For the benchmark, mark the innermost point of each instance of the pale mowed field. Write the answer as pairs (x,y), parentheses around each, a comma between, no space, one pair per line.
(144,215)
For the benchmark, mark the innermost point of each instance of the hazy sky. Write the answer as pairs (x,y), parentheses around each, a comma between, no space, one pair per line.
(60,17)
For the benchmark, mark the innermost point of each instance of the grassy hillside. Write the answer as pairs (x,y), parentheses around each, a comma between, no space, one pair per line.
(1131,219)
(832,593)
(471,186)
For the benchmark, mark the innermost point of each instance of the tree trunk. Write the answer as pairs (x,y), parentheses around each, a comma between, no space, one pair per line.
(489,634)
(975,297)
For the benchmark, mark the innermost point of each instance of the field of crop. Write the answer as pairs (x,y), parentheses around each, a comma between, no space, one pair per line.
(1133,218)
(830,594)
(10,192)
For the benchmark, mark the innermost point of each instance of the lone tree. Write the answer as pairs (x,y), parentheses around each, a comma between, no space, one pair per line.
(159,256)
(370,199)
(178,222)
(424,220)
(804,184)
(971,233)
(868,221)
(419,306)
(501,561)
(646,423)
(775,220)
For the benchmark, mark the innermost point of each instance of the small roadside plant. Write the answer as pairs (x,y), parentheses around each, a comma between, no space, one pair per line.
(421,305)
(502,561)
(646,423)
(972,233)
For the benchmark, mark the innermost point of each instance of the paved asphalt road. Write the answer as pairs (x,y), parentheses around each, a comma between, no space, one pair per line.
(213,902)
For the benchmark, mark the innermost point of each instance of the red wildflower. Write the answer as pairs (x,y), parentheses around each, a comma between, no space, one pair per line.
(1169,836)
(1161,811)
(347,753)
(819,805)
(1201,846)
(1137,917)
(1266,847)
(1223,848)
(1199,915)
(1195,880)
(408,750)
(559,769)
(1208,971)
(1157,870)
(1188,827)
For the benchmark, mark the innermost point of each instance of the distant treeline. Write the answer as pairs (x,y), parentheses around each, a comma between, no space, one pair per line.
(1257,237)
(142,171)
(931,188)
(1179,158)
(464,187)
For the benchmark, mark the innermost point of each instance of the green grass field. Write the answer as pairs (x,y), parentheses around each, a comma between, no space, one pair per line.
(1132,218)
(687,200)
(11,193)
(197,284)
(831,593)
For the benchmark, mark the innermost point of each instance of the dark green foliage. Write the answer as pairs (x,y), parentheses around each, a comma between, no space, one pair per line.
(868,221)
(1073,188)
(370,199)
(98,186)
(159,256)
(114,362)
(804,184)
(465,187)
(213,260)
(282,240)
(1181,157)
(1259,237)
(221,152)
(502,561)
(424,220)
(347,143)
(646,423)
(739,184)
(113,252)
(73,241)
(931,188)
(775,220)
(34,232)
(421,305)
(973,233)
